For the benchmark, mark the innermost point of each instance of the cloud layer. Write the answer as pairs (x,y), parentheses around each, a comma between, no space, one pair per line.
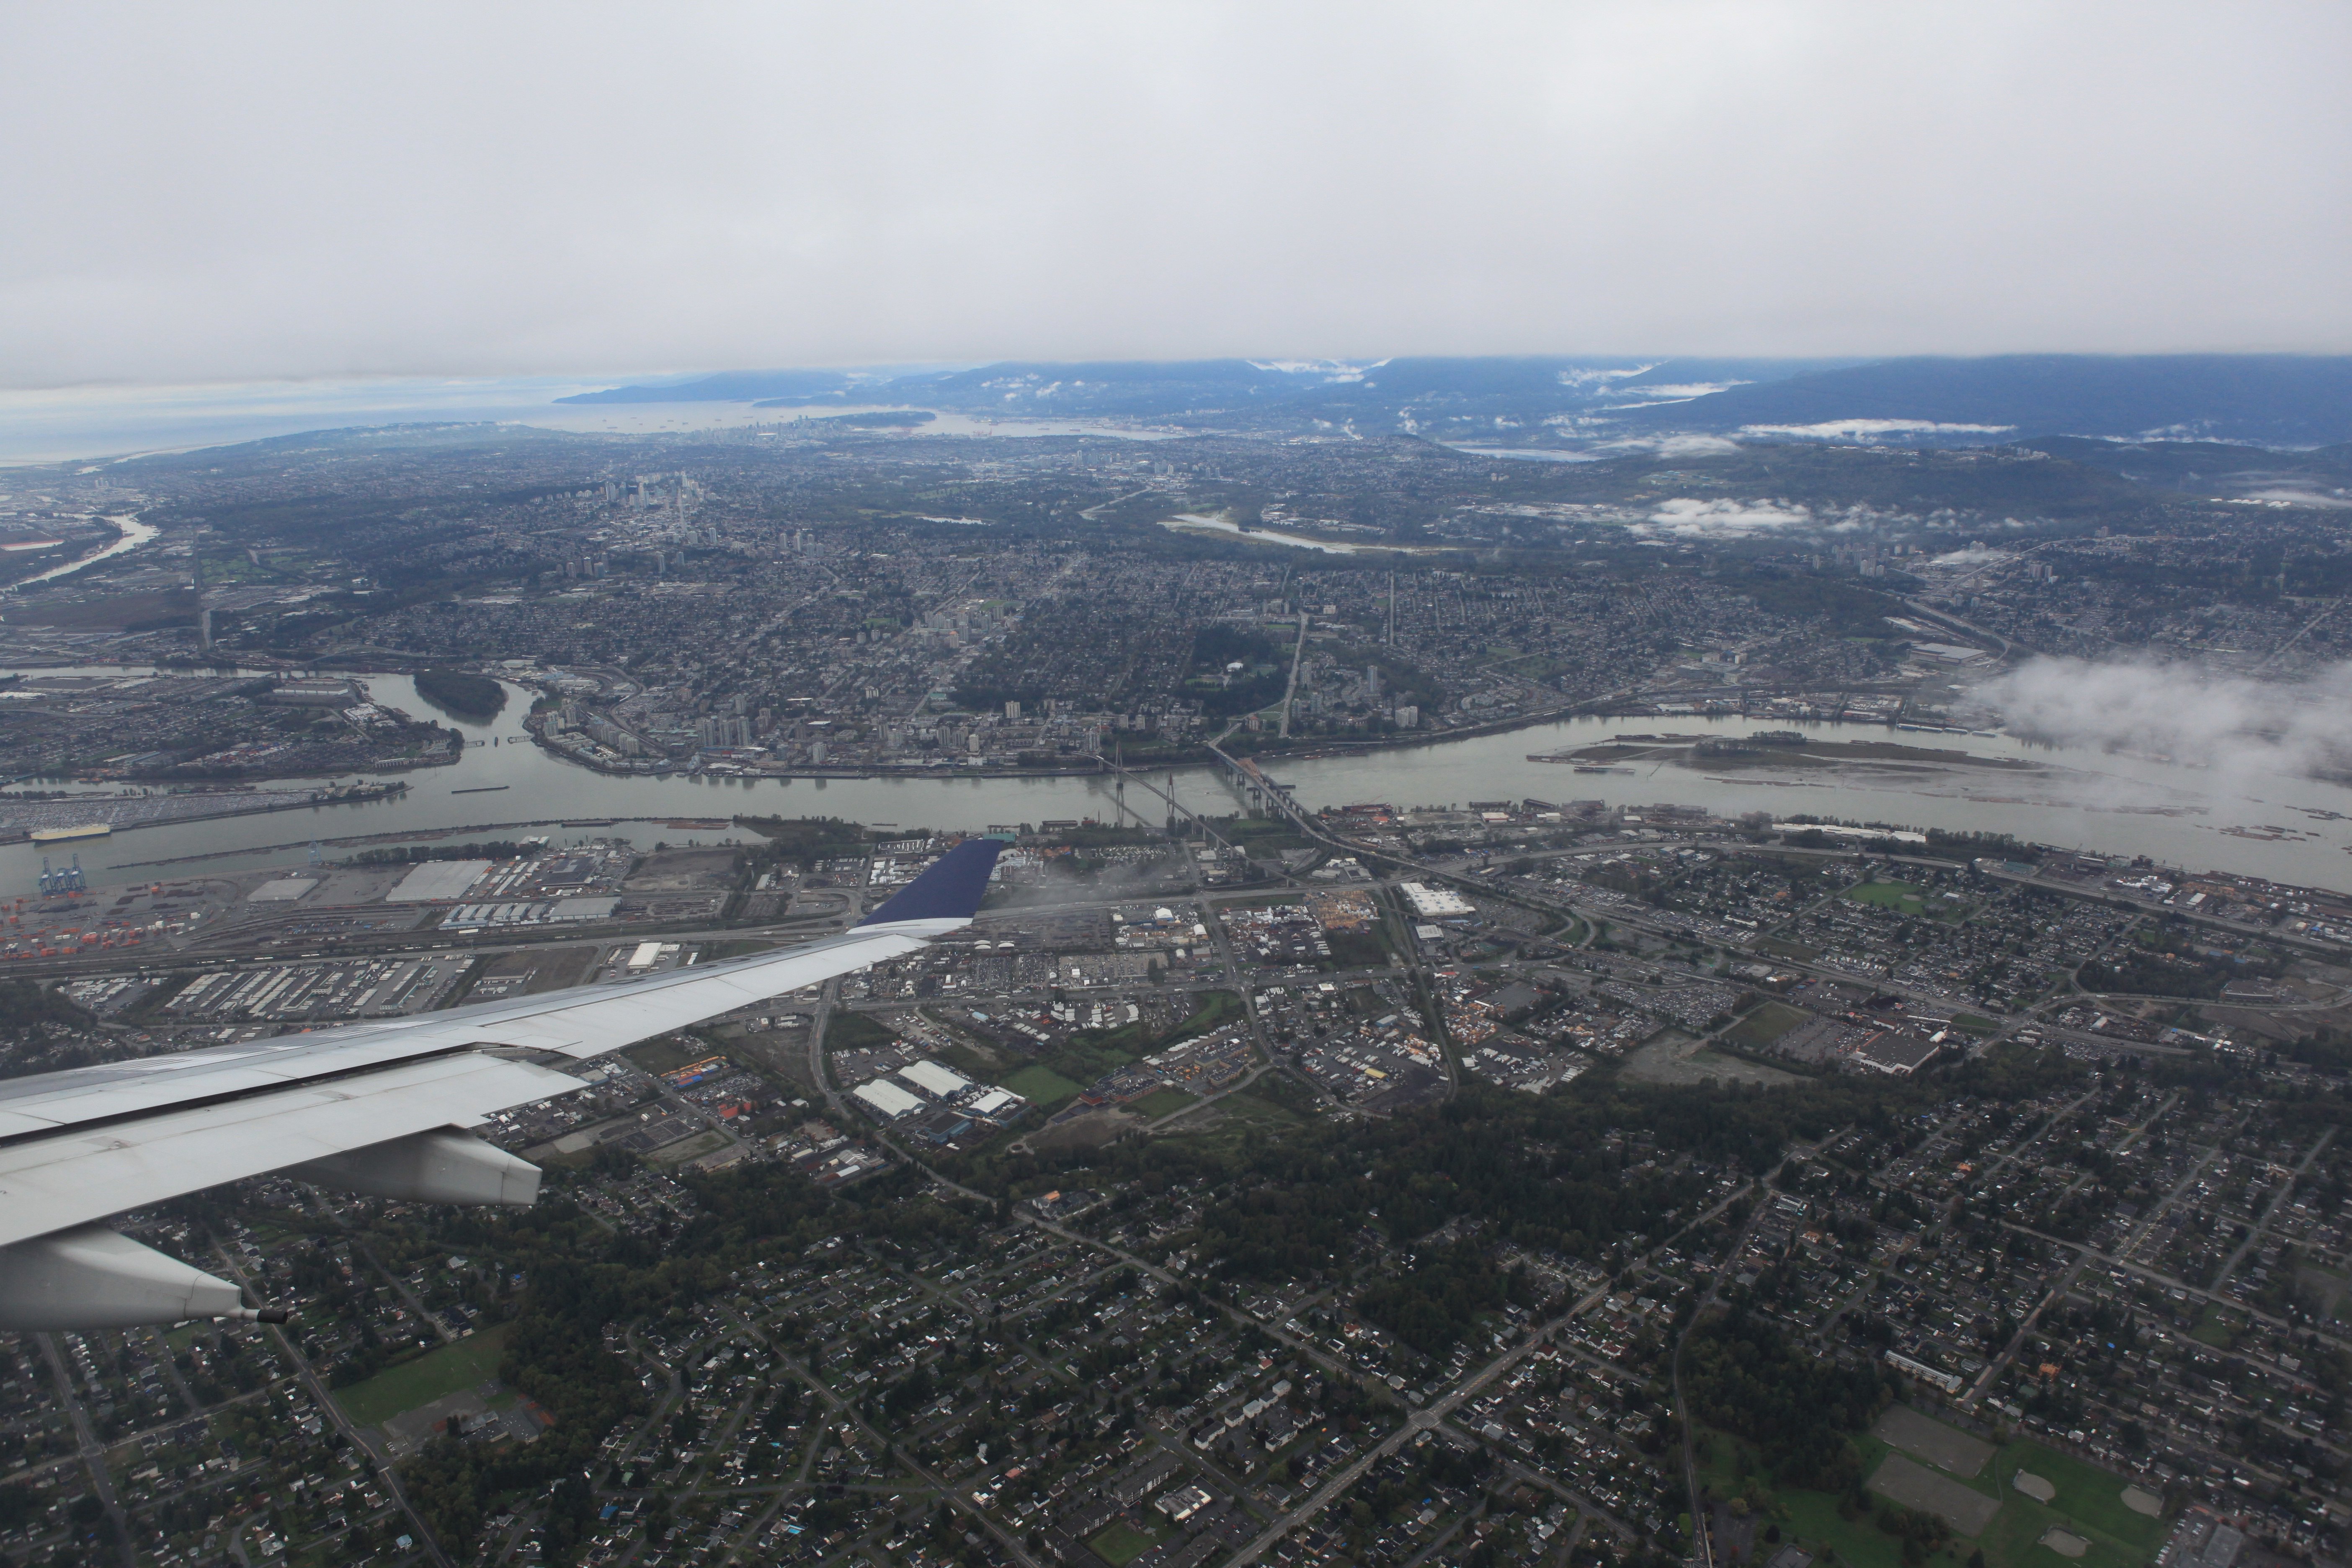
(2250,730)
(1684,518)
(213,193)
(1872,429)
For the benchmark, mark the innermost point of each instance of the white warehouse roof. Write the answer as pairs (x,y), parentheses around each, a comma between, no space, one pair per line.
(1435,901)
(886,1098)
(437,880)
(943,1081)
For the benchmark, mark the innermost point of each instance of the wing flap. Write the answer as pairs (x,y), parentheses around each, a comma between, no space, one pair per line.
(587,1021)
(155,1083)
(76,1146)
(77,1176)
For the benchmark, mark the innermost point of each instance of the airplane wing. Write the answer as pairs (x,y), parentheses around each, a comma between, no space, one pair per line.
(376,1108)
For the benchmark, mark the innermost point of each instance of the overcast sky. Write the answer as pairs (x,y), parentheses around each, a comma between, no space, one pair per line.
(229,192)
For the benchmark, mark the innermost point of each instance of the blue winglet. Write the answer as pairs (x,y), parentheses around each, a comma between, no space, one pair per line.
(950,890)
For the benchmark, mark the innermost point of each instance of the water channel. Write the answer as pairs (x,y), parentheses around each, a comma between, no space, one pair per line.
(2294,830)
(133,532)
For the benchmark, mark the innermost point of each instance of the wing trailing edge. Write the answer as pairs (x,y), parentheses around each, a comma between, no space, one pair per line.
(376,1108)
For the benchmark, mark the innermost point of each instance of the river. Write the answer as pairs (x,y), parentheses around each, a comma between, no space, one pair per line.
(2114,803)
(1528,454)
(134,533)
(1197,522)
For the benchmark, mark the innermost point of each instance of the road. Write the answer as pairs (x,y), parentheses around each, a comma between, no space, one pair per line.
(93,1452)
(2241,1461)
(1444,1407)
(2270,1210)
(1702,1539)
(1430,1415)
(845,1411)
(1290,691)
(1462,878)
(828,999)
(357,1435)
(2066,1282)
(1421,1420)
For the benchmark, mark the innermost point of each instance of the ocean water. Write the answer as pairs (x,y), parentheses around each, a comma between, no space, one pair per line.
(96,423)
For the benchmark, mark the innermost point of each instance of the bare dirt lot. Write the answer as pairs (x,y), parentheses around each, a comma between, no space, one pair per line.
(1915,1485)
(531,972)
(1674,1058)
(1089,1131)
(1933,1441)
(683,871)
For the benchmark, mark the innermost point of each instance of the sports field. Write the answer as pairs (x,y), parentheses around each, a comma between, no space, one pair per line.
(1041,1085)
(2013,1527)
(1905,898)
(425,1379)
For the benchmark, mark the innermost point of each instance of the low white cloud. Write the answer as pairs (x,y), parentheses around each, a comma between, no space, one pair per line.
(1687,518)
(1870,429)
(1583,376)
(1680,392)
(1330,370)
(2289,496)
(1667,445)
(1695,446)
(1691,388)
(1972,556)
(2251,729)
